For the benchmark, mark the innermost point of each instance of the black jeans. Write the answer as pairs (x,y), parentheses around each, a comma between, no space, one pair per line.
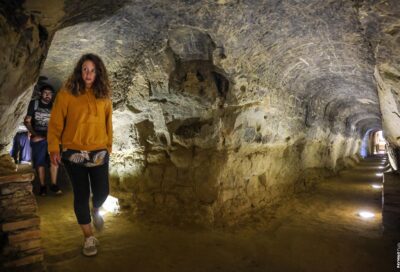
(83,179)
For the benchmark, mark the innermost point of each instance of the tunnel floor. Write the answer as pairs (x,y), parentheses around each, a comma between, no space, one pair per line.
(314,231)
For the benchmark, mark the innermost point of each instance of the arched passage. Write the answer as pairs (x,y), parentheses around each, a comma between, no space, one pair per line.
(220,109)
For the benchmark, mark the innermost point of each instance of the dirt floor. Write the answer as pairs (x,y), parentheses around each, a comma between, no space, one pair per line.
(315,231)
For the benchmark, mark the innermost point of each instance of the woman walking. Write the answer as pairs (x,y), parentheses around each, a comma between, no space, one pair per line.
(81,122)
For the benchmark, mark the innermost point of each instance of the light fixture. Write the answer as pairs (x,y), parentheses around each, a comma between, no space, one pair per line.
(366,215)
(102,212)
(376,186)
(110,205)
(379,174)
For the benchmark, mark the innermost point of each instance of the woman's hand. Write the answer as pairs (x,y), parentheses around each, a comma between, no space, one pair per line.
(55,158)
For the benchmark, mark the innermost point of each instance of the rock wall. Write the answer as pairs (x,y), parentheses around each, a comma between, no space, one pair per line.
(24,44)
(381,24)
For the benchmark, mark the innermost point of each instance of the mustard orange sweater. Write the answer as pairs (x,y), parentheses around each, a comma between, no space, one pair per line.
(80,122)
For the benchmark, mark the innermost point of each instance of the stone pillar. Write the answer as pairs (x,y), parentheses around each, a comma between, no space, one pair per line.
(19,224)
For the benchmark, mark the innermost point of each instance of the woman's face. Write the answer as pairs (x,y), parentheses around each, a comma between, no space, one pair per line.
(88,73)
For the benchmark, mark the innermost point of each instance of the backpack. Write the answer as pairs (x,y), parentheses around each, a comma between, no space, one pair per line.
(36,105)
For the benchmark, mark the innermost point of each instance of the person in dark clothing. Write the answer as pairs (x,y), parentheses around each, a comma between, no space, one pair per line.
(37,120)
(21,150)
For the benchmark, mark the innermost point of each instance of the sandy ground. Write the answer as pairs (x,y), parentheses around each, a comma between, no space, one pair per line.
(315,231)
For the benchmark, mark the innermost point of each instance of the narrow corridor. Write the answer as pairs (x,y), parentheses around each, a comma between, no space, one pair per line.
(314,231)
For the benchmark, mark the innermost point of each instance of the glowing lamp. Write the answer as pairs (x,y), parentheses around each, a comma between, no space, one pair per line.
(102,212)
(110,205)
(366,215)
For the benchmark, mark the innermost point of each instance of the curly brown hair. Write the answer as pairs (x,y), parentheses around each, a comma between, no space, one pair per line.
(101,84)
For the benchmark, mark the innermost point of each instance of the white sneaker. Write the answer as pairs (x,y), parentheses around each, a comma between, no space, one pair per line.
(89,247)
(25,162)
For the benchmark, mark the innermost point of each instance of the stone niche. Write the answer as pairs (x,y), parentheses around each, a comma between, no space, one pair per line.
(195,72)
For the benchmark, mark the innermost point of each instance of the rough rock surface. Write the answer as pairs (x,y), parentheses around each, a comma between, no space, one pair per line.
(26,30)
(223,107)
(381,24)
